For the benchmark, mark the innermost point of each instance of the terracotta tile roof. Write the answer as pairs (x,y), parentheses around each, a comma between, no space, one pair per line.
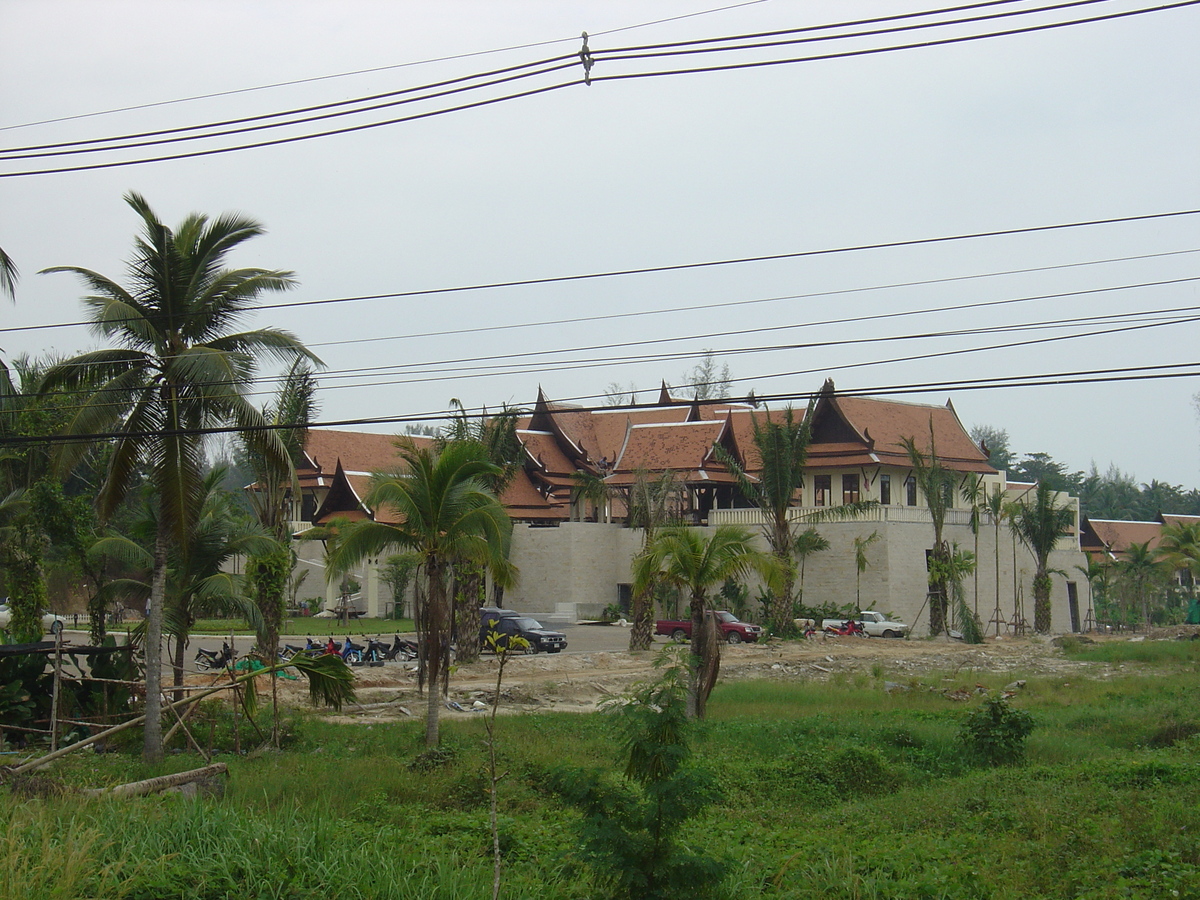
(609,426)
(881,425)
(684,447)
(1171,519)
(1118,535)
(525,502)
(358,451)
(544,451)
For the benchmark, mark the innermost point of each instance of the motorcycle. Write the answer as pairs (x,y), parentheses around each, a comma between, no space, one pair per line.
(849,628)
(352,653)
(401,650)
(375,653)
(211,659)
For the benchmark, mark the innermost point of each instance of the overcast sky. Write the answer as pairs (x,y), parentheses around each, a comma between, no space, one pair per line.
(1095,121)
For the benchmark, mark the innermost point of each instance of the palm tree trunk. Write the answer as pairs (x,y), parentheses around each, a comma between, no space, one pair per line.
(436,643)
(1041,601)
(781,603)
(468,598)
(152,746)
(696,658)
(641,634)
(177,668)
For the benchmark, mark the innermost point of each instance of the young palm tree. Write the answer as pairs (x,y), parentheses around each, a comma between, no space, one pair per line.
(1093,572)
(973,493)
(446,514)
(807,542)
(860,564)
(1142,572)
(1039,524)
(937,485)
(782,444)
(178,370)
(997,509)
(649,508)
(686,558)
(497,436)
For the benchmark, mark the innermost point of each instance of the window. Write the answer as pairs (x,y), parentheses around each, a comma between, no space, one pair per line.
(849,489)
(910,491)
(885,490)
(821,489)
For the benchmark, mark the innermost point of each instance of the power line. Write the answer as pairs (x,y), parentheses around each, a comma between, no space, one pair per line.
(81,146)
(680,267)
(1058,379)
(619,76)
(451,370)
(372,70)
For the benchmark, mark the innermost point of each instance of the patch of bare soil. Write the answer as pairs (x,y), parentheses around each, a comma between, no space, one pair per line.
(580,682)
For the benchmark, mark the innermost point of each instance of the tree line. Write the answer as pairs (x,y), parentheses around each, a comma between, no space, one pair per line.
(1111,494)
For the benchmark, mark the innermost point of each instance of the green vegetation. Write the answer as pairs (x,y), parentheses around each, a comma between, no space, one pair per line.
(831,790)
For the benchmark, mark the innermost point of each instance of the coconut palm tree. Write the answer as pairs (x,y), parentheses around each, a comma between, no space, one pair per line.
(445,513)
(179,369)
(1093,572)
(1039,523)
(698,564)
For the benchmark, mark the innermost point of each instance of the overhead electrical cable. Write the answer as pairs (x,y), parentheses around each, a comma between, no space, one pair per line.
(392,66)
(679,267)
(81,146)
(591,78)
(1057,379)
(473,366)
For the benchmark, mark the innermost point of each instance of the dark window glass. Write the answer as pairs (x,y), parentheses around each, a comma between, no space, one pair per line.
(885,489)
(849,489)
(821,490)
(910,491)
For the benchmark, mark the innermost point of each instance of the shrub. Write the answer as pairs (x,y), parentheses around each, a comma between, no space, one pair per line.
(995,733)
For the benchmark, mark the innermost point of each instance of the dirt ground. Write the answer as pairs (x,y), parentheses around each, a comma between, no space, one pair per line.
(581,681)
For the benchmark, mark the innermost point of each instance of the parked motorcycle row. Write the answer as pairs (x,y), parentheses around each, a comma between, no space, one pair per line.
(372,653)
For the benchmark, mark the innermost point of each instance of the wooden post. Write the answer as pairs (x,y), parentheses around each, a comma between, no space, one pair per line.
(56,690)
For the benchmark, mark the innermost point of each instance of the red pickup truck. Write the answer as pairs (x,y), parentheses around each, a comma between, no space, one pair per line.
(735,632)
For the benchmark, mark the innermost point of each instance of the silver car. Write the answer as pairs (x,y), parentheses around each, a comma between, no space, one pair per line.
(50,622)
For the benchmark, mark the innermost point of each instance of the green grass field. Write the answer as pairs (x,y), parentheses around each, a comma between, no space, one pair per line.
(831,791)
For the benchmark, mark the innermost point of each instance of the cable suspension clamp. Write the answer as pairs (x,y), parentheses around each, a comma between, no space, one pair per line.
(585,57)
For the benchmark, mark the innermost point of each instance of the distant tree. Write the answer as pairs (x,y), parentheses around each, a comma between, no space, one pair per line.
(616,394)
(1041,468)
(1179,547)
(707,380)
(1000,455)
(421,430)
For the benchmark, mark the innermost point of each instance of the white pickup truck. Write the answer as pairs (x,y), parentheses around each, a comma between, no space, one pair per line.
(875,624)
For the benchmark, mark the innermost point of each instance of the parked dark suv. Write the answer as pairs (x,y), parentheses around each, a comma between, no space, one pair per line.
(506,623)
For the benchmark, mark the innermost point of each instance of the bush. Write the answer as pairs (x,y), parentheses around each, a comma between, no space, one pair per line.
(995,733)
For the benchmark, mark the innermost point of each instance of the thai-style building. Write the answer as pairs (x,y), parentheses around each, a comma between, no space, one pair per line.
(573,549)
